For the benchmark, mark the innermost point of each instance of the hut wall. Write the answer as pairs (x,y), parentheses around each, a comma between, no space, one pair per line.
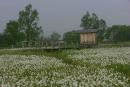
(88,38)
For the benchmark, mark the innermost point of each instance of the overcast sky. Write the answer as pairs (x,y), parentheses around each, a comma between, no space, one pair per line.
(65,15)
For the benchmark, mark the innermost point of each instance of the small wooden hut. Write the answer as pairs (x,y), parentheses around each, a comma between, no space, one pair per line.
(88,36)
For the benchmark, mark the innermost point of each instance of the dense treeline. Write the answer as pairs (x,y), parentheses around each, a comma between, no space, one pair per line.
(118,33)
(88,21)
(26,28)
(115,33)
(71,37)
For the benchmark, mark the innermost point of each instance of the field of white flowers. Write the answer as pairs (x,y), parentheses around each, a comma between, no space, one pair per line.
(99,67)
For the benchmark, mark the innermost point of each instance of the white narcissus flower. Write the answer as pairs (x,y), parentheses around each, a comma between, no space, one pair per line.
(89,69)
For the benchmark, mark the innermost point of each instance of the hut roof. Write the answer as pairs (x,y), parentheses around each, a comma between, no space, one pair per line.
(86,30)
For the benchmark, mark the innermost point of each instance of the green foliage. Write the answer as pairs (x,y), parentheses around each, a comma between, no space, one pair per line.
(28,22)
(100,35)
(85,21)
(12,33)
(25,28)
(91,21)
(59,54)
(118,33)
(123,68)
(2,41)
(71,37)
(55,36)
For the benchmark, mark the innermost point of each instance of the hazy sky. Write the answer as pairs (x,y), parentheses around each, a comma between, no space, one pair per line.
(65,15)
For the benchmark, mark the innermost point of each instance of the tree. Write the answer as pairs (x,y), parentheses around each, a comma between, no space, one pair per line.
(71,37)
(53,39)
(24,28)
(85,21)
(12,33)
(91,21)
(28,23)
(102,24)
(55,36)
(118,33)
(2,40)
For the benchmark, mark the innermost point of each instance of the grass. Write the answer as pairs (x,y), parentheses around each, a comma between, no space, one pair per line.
(122,68)
(73,67)
(59,54)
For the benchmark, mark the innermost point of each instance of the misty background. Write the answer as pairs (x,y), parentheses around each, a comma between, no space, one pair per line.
(65,15)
